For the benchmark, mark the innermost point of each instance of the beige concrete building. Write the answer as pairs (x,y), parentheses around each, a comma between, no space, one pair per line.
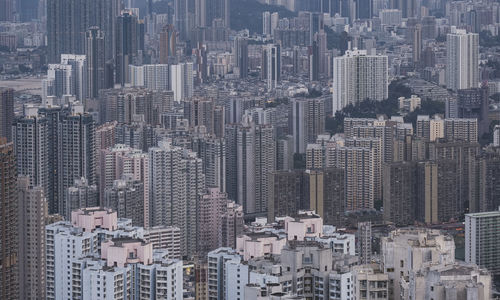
(370,282)
(33,210)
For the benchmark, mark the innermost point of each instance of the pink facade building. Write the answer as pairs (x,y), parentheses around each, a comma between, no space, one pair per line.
(254,245)
(122,251)
(212,207)
(123,160)
(94,217)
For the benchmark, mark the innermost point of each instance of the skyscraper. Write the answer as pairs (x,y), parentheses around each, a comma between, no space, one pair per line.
(129,40)
(6,112)
(185,12)
(212,152)
(77,156)
(79,77)
(9,251)
(249,160)
(416,38)
(176,183)
(96,61)
(358,76)
(168,37)
(181,80)
(31,144)
(67,22)
(212,207)
(32,218)
(314,61)
(241,56)
(266,23)
(462,59)
(271,65)
(80,195)
(7,7)
(307,121)
(54,115)
(126,197)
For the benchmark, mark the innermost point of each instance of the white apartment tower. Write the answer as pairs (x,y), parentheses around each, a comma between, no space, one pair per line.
(462,59)
(176,183)
(358,76)
(482,240)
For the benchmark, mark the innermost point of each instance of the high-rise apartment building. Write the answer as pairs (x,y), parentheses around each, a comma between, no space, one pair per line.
(80,195)
(102,254)
(33,211)
(152,77)
(6,112)
(95,42)
(212,152)
(181,80)
(241,56)
(176,182)
(358,76)
(212,207)
(287,194)
(471,104)
(67,23)
(462,59)
(128,44)
(271,65)
(9,239)
(359,166)
(78,63)
(168,36)
(364,245)
(325,191)
(251,157)
(307,122)
(126,197)
(77,154)
(400,184)
(122,161)
(31,144)
(482,240)
(7,8)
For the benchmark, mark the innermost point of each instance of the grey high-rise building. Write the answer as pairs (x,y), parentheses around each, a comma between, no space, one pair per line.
(31,144)
(364,241)
(325,191)
(7,7)
(241,56)
(128,43)
(80,195)
(6,112)
(212,152)
(96,61)
(126,197)
(473,104)
(307,122)
(77,154)
(287,194)
(32,219)
(400,184)
(54,116)
(67,22)
(9,250)
(176,181)
(250,157)
(271,65)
